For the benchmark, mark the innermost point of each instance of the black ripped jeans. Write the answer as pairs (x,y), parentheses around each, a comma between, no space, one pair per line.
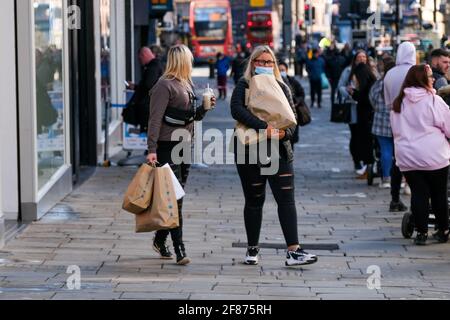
(282,185)
(164,153)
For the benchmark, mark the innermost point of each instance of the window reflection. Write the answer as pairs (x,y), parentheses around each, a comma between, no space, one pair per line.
(50,115)
(105,58)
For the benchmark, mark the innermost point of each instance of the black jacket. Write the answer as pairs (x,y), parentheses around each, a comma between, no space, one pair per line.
(238,68)
(298,92)
(440,81)
(334,65)
(152,72)
(240,113)
(364,108)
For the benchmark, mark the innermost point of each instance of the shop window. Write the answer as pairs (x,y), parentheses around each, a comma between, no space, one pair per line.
(105,58)
(50,108)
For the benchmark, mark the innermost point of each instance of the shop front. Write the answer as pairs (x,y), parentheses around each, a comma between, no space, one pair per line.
(44,124)
(57,82)
(8,119)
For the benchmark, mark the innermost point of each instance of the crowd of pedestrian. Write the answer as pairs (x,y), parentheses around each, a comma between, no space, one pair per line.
(396,107)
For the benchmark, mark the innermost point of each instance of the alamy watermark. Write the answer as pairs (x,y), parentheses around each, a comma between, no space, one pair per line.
(74,280)
(74,17)
(374,21)
(226,149)
(374,280)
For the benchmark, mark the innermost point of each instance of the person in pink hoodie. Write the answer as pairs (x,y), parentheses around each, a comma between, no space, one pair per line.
(421,126)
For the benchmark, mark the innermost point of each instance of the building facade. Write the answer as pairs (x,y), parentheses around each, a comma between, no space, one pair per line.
(64,64)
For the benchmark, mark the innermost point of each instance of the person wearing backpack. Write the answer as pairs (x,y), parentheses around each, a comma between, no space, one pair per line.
(263,62)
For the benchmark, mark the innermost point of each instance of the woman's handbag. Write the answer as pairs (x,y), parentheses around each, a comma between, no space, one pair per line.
(303,114)
(341,112)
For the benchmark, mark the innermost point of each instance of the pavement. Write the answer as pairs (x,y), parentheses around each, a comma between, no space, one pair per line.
(362,254)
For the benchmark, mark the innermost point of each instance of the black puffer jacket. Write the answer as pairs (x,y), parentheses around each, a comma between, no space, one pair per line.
(240,113)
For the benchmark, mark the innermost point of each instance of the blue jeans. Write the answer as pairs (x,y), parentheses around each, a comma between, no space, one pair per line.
(387,155)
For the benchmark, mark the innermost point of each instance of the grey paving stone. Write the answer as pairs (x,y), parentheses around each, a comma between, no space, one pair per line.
(332,206)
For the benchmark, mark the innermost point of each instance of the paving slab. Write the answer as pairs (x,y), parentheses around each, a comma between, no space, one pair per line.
(89,229)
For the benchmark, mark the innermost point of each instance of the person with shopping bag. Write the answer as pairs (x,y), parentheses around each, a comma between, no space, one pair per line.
(173,107)
(263,63)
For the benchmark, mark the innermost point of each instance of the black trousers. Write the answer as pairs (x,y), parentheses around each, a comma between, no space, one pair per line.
(334,85)
(365,142)
(316,89)
(354,146)
(164,153)
(426,186)
(282,185)
(396,182)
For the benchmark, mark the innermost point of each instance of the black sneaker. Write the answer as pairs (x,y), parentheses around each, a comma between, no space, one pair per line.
(441,236)
(397,207)
(251,257)
(421,239)
(182,258)
(300,257)
(162,250)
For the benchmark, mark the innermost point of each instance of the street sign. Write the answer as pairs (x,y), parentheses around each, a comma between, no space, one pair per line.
(260,3)
(158,8)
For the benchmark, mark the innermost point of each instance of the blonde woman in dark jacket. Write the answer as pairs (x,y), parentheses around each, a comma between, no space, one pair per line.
(263,61)
(173,107)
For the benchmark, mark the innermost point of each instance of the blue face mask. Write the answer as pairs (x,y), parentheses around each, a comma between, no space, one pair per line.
(284,74)
(263,70)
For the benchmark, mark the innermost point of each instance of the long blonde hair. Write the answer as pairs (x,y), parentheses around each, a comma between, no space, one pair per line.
(179,65)
(258,51)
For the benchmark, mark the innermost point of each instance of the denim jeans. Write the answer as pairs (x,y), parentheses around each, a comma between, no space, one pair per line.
(387,154)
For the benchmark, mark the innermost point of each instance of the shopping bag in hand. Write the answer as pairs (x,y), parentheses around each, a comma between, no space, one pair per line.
(179,191)
(163,214)
(266,100)
(139,194)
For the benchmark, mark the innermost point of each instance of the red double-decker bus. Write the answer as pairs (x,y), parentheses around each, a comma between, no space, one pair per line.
(211,28)
(260,29)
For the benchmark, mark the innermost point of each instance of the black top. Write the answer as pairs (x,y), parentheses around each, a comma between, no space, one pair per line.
(152,72)
(240,113)
(364,108)
(298,92)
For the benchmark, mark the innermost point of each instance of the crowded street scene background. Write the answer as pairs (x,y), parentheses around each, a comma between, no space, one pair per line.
(97,114)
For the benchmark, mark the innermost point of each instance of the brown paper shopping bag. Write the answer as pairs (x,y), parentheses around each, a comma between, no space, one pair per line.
(139,194)
(163,214)
(267,101)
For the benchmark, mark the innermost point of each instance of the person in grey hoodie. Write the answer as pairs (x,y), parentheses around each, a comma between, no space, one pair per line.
(393,82)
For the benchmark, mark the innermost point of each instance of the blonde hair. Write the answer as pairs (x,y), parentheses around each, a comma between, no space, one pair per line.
(179,65)
(257,52)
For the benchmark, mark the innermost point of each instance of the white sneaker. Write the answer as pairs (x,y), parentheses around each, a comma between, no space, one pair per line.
(385,184)
(300,257)
(407,191)
(361,171)
(251,257)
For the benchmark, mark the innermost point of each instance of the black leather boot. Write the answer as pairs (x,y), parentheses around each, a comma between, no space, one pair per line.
(182,258)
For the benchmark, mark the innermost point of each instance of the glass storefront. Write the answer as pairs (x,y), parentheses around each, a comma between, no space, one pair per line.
(49,44)
(105,59)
